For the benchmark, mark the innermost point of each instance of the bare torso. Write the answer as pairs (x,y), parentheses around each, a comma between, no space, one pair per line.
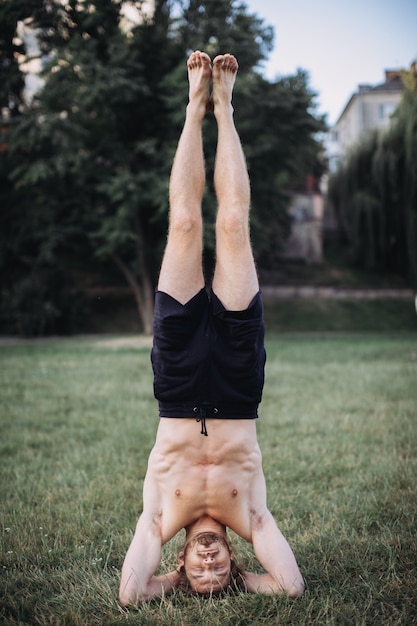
(190,475)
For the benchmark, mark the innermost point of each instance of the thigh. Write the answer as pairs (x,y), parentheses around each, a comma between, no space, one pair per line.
(181,275)
(238,356)
(235,279)
(179,350)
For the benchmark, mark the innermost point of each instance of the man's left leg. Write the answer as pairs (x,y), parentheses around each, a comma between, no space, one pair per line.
(235,280)
(235,283)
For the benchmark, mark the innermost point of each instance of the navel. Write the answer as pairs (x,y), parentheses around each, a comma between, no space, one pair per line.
(234,493)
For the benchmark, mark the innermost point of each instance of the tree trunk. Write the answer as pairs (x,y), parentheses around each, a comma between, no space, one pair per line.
(142,291)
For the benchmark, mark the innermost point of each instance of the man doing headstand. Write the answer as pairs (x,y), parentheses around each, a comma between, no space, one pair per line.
(208,359)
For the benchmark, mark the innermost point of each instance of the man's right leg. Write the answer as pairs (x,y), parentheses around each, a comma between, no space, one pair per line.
(181,273)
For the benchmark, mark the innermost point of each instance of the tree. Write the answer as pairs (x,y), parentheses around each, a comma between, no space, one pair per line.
(279,132)
(99,134)
(406,128)
(219,26)
(11,78)
(276,120)
(91,156)
(374,192)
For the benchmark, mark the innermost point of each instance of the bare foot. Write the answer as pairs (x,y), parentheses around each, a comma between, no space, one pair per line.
(225,68)
(199,77)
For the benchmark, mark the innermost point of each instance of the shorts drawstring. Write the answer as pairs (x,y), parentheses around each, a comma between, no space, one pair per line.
(202,414)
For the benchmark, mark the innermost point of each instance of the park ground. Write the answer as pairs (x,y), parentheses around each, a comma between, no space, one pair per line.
(338,434)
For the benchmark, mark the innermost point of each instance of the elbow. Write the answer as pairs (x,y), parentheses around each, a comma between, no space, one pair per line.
(128,590)
(133,601)
(126,599)
(296,589)
(131,597)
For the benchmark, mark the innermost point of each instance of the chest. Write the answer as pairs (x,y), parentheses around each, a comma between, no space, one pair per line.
(207,489)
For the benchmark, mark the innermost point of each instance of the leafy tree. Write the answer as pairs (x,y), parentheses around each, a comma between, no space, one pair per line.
(218,26)
(99,135)
(11,78)
(279,133)
(275,120)
(374,192)
(406,128)
(15,231)
(90,159)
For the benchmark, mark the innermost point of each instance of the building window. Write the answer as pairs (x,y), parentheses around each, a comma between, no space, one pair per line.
(386,110)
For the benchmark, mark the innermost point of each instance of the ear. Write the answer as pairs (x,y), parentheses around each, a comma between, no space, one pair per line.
(181,559)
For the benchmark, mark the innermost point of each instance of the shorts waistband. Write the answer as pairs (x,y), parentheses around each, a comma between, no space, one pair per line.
(206,410)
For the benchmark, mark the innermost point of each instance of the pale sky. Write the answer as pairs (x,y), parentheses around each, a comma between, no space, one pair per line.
(341,43)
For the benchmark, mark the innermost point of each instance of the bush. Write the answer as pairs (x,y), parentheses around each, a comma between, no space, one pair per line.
(43,303)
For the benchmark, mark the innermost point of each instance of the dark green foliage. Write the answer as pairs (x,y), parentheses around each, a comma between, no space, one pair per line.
(219,26)
(11,78)
(43,303)
(374,193)
(279,133)
(86,169)
(96,141)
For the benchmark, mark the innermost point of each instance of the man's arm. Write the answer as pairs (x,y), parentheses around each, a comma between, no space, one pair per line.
(138,583)
(276,557)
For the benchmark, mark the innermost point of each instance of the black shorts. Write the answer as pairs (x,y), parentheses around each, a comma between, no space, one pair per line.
(208,361)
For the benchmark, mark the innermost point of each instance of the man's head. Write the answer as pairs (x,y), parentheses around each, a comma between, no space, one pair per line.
(207,563)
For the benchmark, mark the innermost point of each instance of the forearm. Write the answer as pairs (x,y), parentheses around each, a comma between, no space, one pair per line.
(161,585)
(277,559)
(166,582)
(136,592)
(138,580)
(261,583)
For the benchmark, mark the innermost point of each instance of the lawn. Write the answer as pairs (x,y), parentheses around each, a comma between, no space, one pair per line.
(338,431)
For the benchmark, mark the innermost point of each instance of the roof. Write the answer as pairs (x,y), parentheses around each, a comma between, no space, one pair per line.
(392,84)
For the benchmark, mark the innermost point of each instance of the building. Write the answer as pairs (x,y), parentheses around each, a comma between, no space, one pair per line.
(369,108)
(306,212)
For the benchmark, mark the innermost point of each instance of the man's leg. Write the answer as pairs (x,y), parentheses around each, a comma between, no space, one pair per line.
(235,279)
(181,273)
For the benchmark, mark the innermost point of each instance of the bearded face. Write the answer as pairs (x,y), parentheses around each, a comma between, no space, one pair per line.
(207,563)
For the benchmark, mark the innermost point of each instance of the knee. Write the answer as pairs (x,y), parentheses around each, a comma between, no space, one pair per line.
(233,225)
(183,223)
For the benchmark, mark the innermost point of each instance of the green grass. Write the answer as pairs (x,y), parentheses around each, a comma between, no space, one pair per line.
(386,315)
(339,440)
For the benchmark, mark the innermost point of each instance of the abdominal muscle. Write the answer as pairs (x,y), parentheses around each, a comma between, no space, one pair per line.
(215,475)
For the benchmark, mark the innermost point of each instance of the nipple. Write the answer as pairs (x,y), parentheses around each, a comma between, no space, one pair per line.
(234,493)
(177,492)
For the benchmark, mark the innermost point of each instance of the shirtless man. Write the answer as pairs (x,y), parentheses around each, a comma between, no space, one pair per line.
(208,360)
